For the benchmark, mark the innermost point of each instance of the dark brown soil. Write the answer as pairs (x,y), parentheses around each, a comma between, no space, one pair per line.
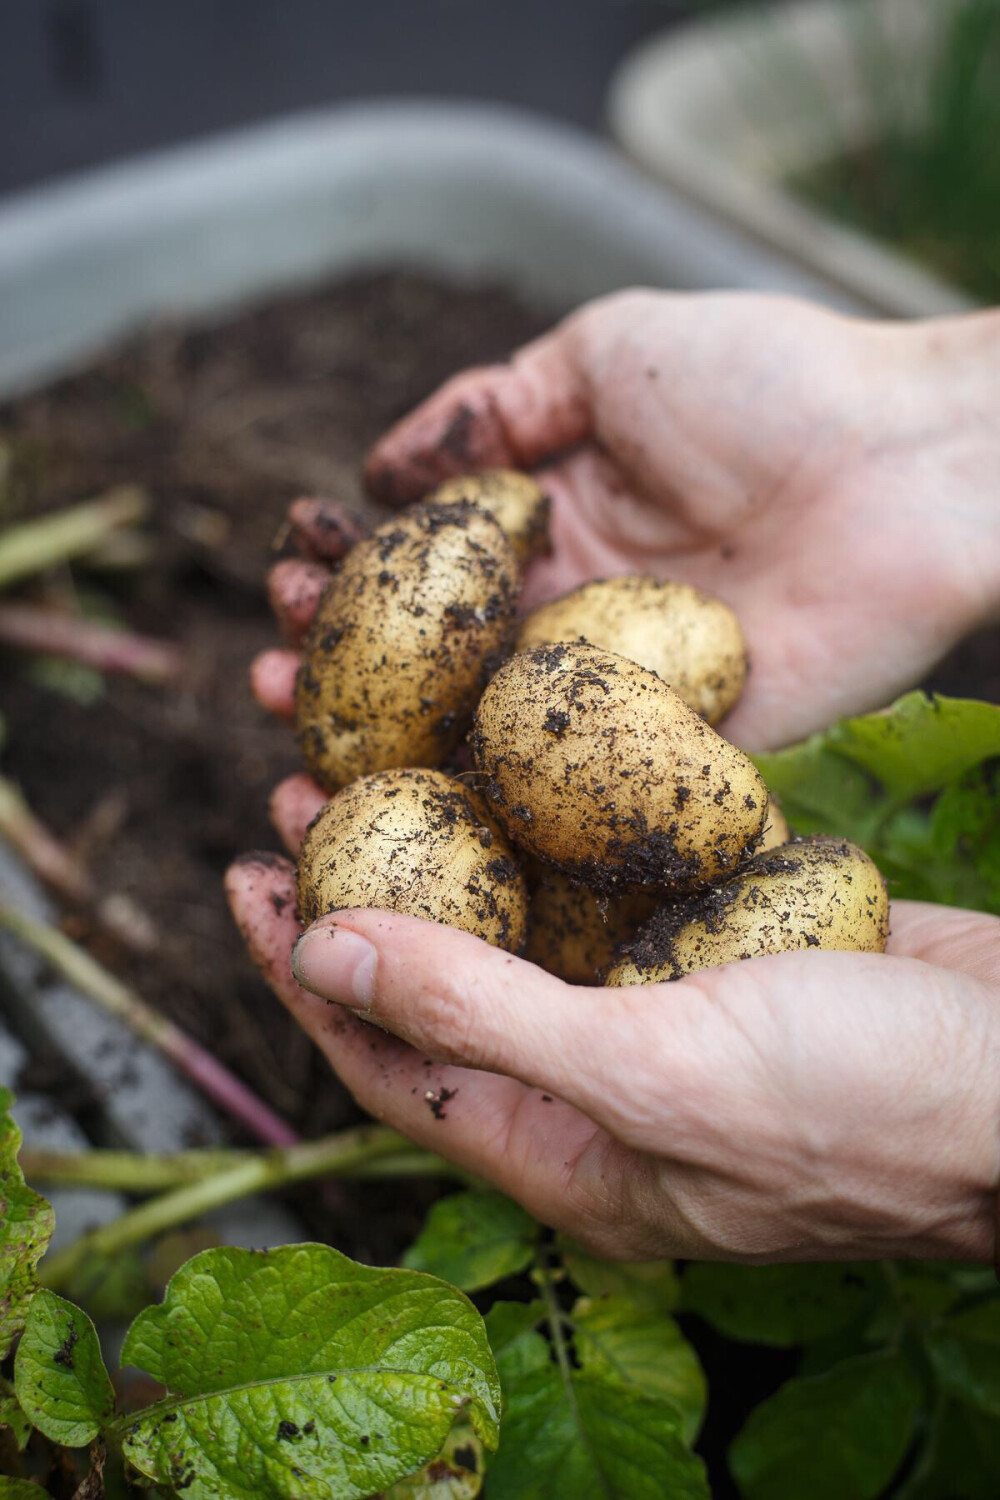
(162,788)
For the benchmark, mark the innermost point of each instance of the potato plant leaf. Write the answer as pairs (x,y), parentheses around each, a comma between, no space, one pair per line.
(296,1372)
(780,1305)
(12,1417)
(473,1239)
(20,1489)
(592,1438)
(518,1347)
(615,1339)
(965,1352)
(652,1285)
(59,1374)
(456,1473)
(961,1458)
(841,1433)
(26,1223)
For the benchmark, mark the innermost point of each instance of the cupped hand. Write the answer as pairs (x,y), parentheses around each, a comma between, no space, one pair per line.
(807,1106)
(831,478)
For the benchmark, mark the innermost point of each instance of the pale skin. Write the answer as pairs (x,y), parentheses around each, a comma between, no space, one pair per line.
(835,481)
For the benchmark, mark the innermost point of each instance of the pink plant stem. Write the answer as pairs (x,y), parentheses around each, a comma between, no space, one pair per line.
(211,1076)
(35,629)
(51,861)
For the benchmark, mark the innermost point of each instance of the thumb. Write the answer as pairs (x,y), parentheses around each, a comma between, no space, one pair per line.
(966,941)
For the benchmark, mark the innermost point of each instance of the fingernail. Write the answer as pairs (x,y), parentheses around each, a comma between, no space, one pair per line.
(337,964)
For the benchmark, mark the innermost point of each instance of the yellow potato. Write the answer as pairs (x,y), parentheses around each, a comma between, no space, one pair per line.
(573,933)
(407,633)
(812,893)
(596,766)
(514,500)
(692,641)
(419,842)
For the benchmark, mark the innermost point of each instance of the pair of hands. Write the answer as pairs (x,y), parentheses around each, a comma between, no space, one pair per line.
(831,480)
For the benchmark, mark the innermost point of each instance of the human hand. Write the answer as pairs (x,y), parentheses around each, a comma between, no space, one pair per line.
(829,478)
(806,1106)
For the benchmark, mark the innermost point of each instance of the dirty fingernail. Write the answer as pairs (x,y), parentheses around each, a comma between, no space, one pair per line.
(336,964)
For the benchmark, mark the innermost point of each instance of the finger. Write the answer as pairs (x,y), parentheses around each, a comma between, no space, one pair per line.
(324,529)
(500,416)
(294,803)
(272,680)
(967,941)
(459,1000)
(526,1143)
(294,590)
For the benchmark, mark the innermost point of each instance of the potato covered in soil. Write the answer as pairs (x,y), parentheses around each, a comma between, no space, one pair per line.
(515,501)
(407,632)
(418,842)
(596,766)
(811,893)
(692,641)
(573,933)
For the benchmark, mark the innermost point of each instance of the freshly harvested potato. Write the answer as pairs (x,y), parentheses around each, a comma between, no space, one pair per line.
(596,766)
(419,842)
(513,499)
(692,641)
(408,631)
(776,829)
(811,893)
(573,933)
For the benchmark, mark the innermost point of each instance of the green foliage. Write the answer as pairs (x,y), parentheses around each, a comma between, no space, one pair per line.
(841,1433)
(473,1239)
(19,1489)
(11,1415)
(26,1224)
(59,1374)
(298,1365)
(455,1474)
(651,1285)
(781,1305)
(915,785)
(619,1341)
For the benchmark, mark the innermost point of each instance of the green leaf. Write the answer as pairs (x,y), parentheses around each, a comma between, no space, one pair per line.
(965,1353)
(59,1374)
(780,1305)
(962,1458)
(843,1433)
(12,1417)
(20,1489)
(455,1474)
(473,1239)
(26,1224)
(918,745)
(615,1339)
(296,1372)
(650,1284)
(821,792)
(592,1439)
(510,1327)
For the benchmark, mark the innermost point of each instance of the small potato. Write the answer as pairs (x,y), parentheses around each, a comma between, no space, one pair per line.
(418,842)
(407,633)
(692,641)
(811,893)
(776,829)
(514,500)
(573,933)
(594,765)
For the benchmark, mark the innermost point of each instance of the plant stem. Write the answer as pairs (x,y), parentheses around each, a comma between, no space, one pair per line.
(88,976)
(41,544)
(145,1173)
(349,1150)
(57,634)
(51,861)
(556,1319)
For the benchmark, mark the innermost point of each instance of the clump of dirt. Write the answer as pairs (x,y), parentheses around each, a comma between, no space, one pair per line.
(162,788)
